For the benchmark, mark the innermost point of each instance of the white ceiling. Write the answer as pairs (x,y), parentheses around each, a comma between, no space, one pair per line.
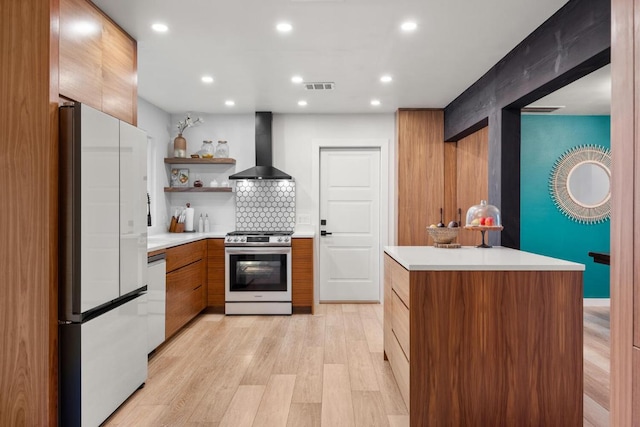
(349,42)
(591,95)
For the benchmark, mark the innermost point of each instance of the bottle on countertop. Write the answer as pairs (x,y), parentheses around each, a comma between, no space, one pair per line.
(200,224)
(206,224)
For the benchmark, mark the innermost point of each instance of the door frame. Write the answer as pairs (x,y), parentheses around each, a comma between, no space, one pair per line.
(387,193)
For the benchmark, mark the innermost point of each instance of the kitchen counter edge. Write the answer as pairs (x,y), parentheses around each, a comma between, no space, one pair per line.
(469,258)
(160,241)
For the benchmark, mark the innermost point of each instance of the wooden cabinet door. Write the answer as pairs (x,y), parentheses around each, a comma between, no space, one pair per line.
(302,275)
(215,274)
(98,61)
(185,298)
(81,52)
(420,167)
(472,179)
(119,73)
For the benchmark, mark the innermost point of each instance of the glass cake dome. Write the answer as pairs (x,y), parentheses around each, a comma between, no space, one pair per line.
(483,215)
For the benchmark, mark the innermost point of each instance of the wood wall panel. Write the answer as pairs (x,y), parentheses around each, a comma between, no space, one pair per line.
(28,253)
(636,185)
(302,275)
(119,74)
(623,225)
(420,167)
(472,178)
(81,52)
(635,402)
(215,274)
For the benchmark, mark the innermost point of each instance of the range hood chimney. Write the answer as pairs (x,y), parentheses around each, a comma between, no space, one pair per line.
(264,153)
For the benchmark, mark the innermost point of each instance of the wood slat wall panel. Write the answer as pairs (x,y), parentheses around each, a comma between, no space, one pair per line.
(302,274)
(215,274)
(28,254)
(472,180)
(623,122)
(420,167)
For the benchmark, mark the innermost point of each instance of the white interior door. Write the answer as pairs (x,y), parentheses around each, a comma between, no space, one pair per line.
(350,209)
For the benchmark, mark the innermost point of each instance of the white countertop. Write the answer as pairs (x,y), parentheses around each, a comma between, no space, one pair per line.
(166,240)
(428,258)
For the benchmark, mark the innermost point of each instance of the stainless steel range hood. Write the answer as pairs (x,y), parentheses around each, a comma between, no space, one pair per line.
(263,168)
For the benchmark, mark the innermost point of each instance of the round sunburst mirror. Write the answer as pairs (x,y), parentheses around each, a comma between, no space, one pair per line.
(580,184)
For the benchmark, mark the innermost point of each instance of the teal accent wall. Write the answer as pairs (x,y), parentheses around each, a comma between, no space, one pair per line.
(543,228)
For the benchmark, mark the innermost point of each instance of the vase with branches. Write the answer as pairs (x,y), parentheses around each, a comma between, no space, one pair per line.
(180,143)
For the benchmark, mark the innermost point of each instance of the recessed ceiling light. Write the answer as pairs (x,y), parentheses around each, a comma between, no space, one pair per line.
(229,103)
(207,79)
(160,28)
(409,26)
(375,102)
(386,79)
(284,27)
(297,79)
(302,103)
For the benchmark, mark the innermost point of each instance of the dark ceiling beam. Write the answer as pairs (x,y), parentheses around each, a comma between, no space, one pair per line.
(575,41)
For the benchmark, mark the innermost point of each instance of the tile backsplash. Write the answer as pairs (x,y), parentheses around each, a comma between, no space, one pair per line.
(265,205)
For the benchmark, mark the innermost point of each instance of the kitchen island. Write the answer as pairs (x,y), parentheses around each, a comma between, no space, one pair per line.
(484,336)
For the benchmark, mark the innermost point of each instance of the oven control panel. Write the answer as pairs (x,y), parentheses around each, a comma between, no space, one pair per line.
(257,241)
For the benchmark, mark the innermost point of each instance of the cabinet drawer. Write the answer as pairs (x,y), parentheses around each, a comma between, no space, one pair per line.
(400,281)
(182,255)
(400,324)
(185,287)
(400,367)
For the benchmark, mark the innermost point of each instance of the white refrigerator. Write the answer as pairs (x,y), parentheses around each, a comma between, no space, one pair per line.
(103,264)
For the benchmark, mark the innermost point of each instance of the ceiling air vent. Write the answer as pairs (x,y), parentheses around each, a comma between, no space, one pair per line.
(532,109)
(319,85)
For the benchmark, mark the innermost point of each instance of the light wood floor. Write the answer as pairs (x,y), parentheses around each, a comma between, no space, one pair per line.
(320,370)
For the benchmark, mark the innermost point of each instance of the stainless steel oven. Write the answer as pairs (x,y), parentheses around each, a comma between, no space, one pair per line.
(257,274)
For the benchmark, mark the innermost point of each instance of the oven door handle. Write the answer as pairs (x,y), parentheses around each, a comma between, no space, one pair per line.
(259,250)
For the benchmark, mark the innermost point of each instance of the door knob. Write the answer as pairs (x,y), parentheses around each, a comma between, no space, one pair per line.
(324,233)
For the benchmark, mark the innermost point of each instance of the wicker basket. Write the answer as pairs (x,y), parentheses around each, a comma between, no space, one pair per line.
(443,234)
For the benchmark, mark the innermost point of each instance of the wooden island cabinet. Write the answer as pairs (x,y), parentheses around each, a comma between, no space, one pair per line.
(484,336)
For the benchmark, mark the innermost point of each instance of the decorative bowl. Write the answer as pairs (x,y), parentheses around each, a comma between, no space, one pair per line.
(443,235)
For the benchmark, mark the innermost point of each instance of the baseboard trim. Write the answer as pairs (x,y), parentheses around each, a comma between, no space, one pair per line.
(596,302)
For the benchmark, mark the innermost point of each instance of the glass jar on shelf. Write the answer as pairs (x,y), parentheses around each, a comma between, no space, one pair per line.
(206,151)
(222,150)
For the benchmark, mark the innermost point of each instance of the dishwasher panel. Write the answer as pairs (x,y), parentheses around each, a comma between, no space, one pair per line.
(157,299)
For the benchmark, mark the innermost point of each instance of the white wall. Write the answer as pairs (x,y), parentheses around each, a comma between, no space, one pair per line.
(156,122)
(293,136)
(239,132)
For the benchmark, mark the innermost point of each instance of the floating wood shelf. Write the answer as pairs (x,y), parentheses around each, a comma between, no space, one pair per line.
(199,161)
(198,189)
